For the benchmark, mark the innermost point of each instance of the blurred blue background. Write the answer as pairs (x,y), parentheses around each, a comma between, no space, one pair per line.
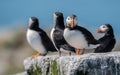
(14,15)
(90,13)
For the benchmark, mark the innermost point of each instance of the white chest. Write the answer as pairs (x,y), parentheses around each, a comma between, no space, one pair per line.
(75,38)
(35,42)
(51,35)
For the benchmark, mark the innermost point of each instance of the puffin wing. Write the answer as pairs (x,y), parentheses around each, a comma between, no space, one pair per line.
(60,42)
(68,47)
(88,35)
(47,42)
(58,37)
(106,45)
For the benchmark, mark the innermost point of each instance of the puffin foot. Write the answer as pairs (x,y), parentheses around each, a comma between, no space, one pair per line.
(83,51)
(78,52)
(69,53)
(59,52)
(36,55)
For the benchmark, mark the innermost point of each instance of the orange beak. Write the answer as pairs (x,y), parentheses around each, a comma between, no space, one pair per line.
(72,24)
(99,30)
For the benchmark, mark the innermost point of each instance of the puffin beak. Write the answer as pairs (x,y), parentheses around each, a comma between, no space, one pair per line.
(98,30)
(72,24)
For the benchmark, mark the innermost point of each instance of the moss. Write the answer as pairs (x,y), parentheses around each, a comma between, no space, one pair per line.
(35,70)
(59,72)
(54,69)
(48,70)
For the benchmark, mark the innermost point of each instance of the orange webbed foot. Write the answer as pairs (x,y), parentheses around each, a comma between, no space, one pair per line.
(69,53)
(59,52)
(78,52)
(83,51)
(36,55)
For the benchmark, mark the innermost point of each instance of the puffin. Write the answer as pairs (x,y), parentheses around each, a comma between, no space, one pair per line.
(57,34)
(38,39)
(78,36)
(108,41)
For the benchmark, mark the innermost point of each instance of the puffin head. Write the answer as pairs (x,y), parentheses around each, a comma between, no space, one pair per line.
(33,22)
(58,15)
(105,28)
(58,18)
(71,21)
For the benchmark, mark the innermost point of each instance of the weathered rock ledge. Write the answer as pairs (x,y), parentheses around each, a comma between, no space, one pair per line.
(87,64)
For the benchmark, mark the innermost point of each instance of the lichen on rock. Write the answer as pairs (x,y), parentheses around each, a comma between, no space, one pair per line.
(87,64)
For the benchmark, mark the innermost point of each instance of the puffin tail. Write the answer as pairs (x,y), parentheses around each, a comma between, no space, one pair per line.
(94,42)
(52,49)
(68,47)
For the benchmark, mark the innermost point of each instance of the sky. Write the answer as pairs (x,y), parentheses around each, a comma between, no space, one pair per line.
(91,13)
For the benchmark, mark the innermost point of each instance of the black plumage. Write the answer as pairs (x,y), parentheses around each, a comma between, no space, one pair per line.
(87,34)
(47,43)
(77,36)
(57,33)
(107,42)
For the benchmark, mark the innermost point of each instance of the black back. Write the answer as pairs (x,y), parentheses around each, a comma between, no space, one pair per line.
(59,20)
(58,38)
(88,35)
(34,24)
(46,40)
(107,42)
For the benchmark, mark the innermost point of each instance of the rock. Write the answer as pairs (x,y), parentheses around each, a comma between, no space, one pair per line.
(87,64)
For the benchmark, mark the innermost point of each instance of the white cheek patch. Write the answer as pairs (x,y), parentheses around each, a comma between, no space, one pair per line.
(104,28)
(68,21)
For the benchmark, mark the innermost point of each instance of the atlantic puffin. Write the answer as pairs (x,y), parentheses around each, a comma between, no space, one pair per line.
(77,36)
(108,41)
(38,39)
(57,34)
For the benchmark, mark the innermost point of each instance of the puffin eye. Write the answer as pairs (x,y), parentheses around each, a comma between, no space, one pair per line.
(104,26)
(68,18)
